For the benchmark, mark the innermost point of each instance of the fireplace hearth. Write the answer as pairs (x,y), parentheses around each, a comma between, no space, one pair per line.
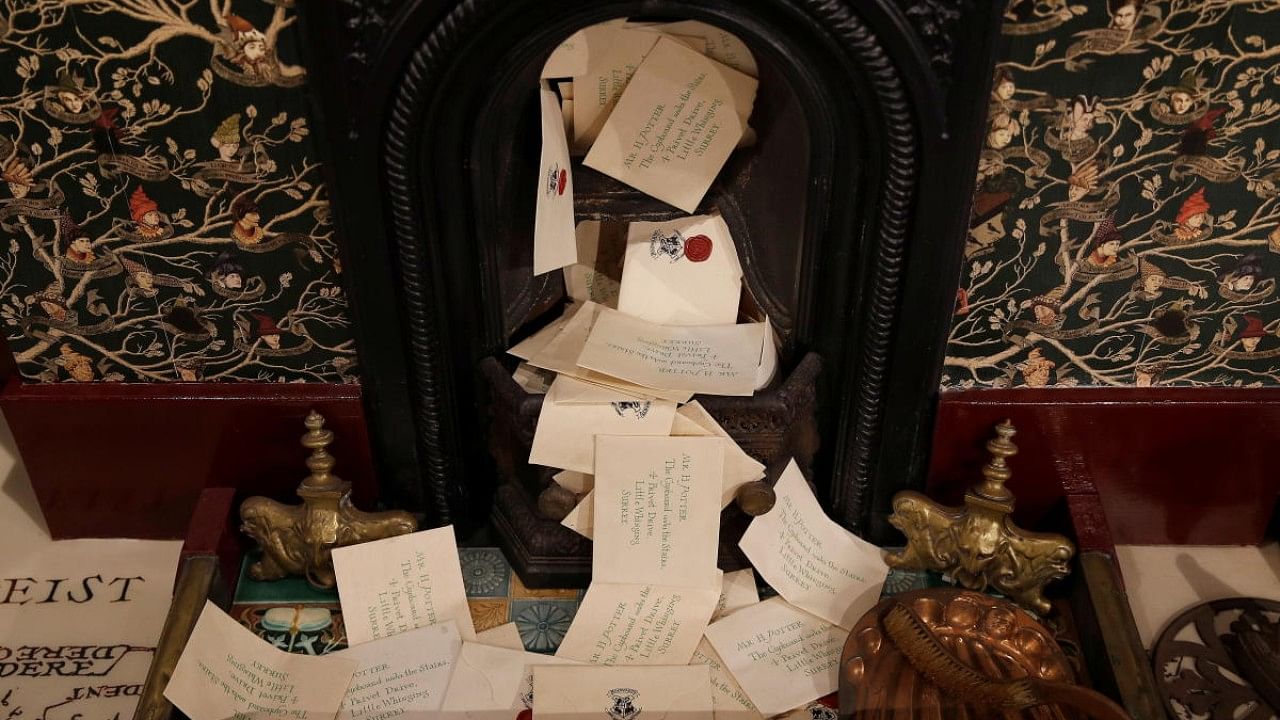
(848,212)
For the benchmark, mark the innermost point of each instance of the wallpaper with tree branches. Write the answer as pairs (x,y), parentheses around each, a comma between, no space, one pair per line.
(162,214)
(1126,225)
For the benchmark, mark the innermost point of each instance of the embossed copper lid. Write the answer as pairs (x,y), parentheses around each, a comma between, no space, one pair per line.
(990,635)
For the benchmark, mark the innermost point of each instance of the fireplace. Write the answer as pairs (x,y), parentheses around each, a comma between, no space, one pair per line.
(848,213)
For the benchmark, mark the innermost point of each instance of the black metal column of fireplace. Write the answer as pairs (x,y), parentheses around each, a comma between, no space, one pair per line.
(849,213)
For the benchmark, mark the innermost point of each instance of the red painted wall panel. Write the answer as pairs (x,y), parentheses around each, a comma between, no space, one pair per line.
(1171,465)
(120,460)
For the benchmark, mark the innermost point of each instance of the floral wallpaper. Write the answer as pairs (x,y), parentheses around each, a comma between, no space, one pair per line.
(162,214)
(1126,223)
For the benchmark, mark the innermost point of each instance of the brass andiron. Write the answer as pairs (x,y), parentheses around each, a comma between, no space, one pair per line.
(979,545)
(297,539)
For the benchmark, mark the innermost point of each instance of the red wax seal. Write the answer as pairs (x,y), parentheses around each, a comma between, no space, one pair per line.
(525,714)
(564,178)
(697,248)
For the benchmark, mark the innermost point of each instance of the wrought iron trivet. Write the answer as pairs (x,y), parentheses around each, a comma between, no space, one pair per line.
(1221,660)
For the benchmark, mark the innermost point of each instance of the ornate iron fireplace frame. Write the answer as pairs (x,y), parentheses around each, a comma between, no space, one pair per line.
(917,74)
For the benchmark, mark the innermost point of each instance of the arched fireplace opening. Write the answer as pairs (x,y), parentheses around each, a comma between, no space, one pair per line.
(847,213)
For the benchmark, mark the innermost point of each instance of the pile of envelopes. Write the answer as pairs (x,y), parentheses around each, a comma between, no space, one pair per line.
(660,630)
(658,314)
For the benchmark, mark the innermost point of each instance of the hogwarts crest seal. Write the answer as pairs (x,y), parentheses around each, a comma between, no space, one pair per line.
(557,178)
(623,706)
(635,408)
(667,245)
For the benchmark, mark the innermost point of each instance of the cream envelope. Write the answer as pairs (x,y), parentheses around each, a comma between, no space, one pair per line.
(554,245)
(597,276)
(575,482)
(728,699)
(768,357)
(227,671)
(597,89)
(404,582)
(492,683)
(782,656)
(678,119)
(503,636)
(721,45)
(739,467)
(559,354)
(404,674)
(712,359)
(532,380)
(622,693)
(632,624)
(737,590)
(581,519)
(534,344)
(657,510)
(565,435)
(810,560)
(681,272)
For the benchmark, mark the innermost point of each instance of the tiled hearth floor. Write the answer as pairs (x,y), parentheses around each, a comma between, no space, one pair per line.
(112,594)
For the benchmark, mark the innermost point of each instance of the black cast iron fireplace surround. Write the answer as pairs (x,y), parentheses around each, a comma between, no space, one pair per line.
(870,117)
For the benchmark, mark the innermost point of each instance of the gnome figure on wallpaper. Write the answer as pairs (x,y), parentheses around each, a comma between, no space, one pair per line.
(1124,14)
(1244,278)
(77,365)
(266,330)
(79,248)
(70,92)
(246,230)
(227,274)
(1192,216)
(1003,88)
(1197,135)
(145,214)
(1106,245)
(226,139)
(1151,280)
(1036,369)
(17,175)
(249,47)
(1252,333)
(1047,308)
(1184,95)
(1002,131)
(1078,121)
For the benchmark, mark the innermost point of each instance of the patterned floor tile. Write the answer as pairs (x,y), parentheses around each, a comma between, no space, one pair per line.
(485,572)
(543,623)
(489,613)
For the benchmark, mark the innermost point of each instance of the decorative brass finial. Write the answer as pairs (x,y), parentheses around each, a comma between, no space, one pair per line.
(297,539)
(979,545)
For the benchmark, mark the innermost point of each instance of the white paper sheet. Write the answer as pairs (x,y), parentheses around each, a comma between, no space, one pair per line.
(554,245)
(782,656)
(677,692)
(394,585)
(402,675)
(739,467)
(581,519)
(492,683)
(681,272)
(227,671)
(638,624)
(810,560)
(737,590)
(728,699)
(565,435)
(657,510)
(712,359)
(674,126)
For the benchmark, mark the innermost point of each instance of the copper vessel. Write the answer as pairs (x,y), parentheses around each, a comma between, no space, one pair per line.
(986,633)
